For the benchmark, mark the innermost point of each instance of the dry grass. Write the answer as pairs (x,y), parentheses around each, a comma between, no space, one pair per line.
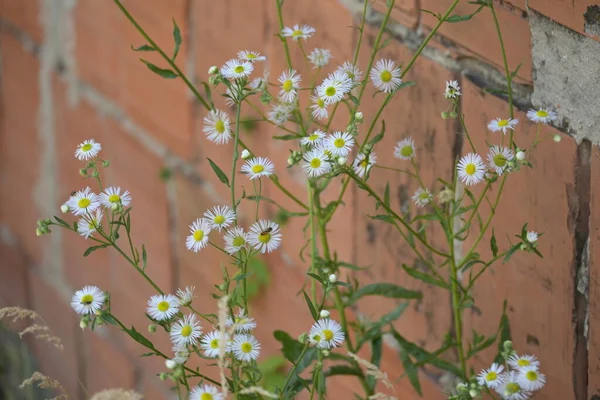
(39,331)
(117,394)
(45,382)
(374,371)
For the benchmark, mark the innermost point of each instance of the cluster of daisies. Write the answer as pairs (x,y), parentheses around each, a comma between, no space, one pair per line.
(517,382)
(263,236)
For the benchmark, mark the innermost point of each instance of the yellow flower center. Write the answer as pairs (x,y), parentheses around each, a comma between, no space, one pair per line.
(330,91)
(238,241)
(315,163)
(531,375)
(264,238)
(297,33)
(321,103)
(385,76)
(163,306)
(350,75)
(513,388)
(470,169)
(491,376)
(239,69)
(246,347)
(214,344)
(114,198)
(84,203)
(198,235)
(314,137)
(186,331)
(502,123)
(206,396)
(406,151)
(339,143)
(424,196)
(327,334)
(523,362)
(541,113)
(86,147)
(317,338)
(288,85)
(87,299)
(251,56)
(257,169)
(500,160)
(220,126)
(219,219)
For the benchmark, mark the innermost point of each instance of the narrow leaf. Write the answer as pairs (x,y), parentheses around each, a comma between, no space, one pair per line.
(386,195)
(389,290)
(165,73)
(422,276)
(94,248)
(311,307)
(177,39)
(493,244)
(143,47)
(343,370)
(220,174)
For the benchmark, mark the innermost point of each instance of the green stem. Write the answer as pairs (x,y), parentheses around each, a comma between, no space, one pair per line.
(293,371)
(284,40)
(313,234)
(505,61)
(362,29)
(236,156)
(275,180)
(164,56)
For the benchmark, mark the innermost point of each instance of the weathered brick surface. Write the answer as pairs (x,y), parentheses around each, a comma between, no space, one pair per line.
(23,15)
(594,278)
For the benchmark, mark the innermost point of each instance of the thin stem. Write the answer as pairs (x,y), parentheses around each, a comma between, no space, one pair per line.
(362,28)
(284,40)
(275,180)
(505,61)
(313,234)
(293,371)
(236,156)
(394,169)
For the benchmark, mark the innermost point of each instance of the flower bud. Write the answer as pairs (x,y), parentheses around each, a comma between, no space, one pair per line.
(368,148)
(163,376)
(170,364)
(213,80)
(444,115)
(83,172)
(213,70)
(290,161)
(105,163)
(325,353)
(64,208)
(84,322)
(245,154)
(453,114)
(508,346)
(114,206)
(358,117)
(95,174)
(152,328)
(324,314)
(473,393)
(341,160)
(520,155)
(39,231)
(557,138)
(333,278)
(303,338)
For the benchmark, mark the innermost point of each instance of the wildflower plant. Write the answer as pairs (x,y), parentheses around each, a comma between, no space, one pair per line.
(303,109)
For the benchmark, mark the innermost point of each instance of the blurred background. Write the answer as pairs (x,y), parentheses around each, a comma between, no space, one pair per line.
(68,74)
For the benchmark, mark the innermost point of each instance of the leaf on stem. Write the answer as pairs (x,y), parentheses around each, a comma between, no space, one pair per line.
(177,39)
(165,73)
(219,172)
(389,290)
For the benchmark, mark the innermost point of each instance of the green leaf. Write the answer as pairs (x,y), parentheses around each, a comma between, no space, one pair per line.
(94,248)
(220,174)
(459,18)
(144,258)
(379,136)
(292,348)
(177,39)
(504,328)
(239,277)
(422,276)
(376,354)
(516,71)
(165,73)
(288,137)
(316,277)
(138,337)
(374,331)
(386,195)
(493,244)
(143,47)
(389,290)
(387,218)
(343,370)
(410,370)
(496,91)
(406,84)
(510,252)
(62,222)
(311,307)
(262,277)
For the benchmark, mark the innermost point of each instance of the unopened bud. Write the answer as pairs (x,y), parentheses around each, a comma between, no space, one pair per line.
(368,148)
(213,70)
(520,155)
(245,154)
(105,163)
(333,278)
(64,208)
(324,314)
(358,117)
(325,353)
(453,114)
(557,138)
(213,80)
(152,328)
(83,172)
(83,323)
(114,206)
(508,346)
(444,115)
(163,376)
(290,161)
(170,364)
(473,393)
(303,338)
(39,231)
(95,174)
(341,160)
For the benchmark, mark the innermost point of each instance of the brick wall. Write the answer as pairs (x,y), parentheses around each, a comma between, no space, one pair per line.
(67,74)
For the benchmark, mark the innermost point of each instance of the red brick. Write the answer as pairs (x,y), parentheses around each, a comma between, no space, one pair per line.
(405,12)
(593,339)
(108,366)
(25,15)
(569,14)
(14,286)
(485,44)
(539,291)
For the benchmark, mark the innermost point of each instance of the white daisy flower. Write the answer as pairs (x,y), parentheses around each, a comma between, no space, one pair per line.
(217,127)
(510,389)
(245,348)
(531,379)
(162,306)
(314,139)
(258,167)
(181,354)
(352,72)
(206,392)
(543,116)
(88,300)
(334,87)
(320,57)
(252,56)
(319,108)
(236,69)
(235,240)
(83,202)
(219,217)
(518,362)
(280,113)
(87,150)
(326,334)
(265,236)
(242,322)
(386,76)
(532,236)
(422,197)
(471,169)
(363,164)
(452,90)
(339,143)
(186,296)
(112,195)
(210,344)
(198,239)
(290,83)
(498,158)
(405,149)
(315,163)
(90,223)
(186,331)
(490,377)
(503,125)
(298,32)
